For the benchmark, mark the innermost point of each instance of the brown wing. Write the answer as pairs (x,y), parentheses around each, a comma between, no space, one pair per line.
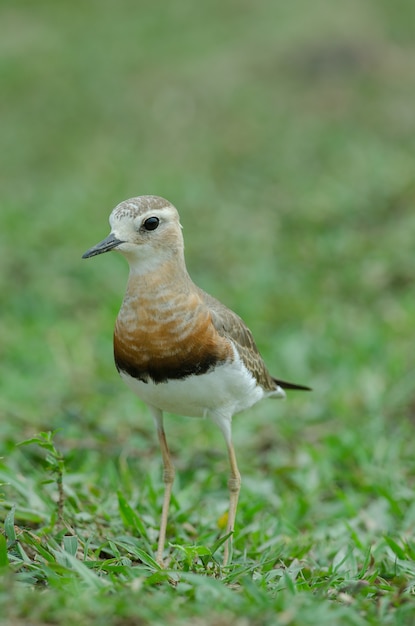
(231,326)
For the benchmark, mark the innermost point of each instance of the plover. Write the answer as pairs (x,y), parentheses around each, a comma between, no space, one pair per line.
(178,348)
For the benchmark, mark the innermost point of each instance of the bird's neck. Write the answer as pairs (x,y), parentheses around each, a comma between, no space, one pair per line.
(164,280)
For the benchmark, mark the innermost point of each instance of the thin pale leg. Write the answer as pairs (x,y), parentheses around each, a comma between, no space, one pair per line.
(168,478)
(234,482)
(234,486)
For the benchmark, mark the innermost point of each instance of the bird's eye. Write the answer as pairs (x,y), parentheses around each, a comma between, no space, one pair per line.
(151,223)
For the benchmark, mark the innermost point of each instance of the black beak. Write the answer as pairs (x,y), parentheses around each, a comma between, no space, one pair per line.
(107,244)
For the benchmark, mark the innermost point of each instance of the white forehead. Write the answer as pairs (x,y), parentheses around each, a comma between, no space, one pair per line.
(138,209)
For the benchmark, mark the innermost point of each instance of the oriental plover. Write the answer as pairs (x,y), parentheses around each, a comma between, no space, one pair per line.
(178,348)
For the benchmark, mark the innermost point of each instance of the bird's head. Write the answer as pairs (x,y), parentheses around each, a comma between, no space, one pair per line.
(146,230)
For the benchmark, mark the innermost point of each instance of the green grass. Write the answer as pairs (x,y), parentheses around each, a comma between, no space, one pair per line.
(285,135)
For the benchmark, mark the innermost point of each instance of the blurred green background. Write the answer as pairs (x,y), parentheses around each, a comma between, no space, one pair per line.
(285,137)
(284,133)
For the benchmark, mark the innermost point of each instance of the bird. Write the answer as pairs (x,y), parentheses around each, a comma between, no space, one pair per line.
(177,348)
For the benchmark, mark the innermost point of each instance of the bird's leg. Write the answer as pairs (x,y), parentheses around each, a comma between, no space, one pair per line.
(234,483)
(168,478)
(234,486)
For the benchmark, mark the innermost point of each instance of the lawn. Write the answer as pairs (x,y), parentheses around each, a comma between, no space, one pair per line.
(284,133)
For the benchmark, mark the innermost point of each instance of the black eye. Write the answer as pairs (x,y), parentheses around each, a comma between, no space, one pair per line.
(151,223)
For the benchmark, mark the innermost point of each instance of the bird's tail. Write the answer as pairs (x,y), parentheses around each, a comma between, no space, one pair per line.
(285,385)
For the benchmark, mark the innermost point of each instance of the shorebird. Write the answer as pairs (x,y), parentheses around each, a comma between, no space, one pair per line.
(178,348)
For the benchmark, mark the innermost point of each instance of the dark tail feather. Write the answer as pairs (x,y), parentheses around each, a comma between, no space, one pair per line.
(285,385)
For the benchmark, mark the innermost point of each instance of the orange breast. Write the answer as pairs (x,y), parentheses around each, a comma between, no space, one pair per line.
(157,341)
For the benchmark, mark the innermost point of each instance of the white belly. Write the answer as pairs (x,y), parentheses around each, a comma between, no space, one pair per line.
(226,390)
